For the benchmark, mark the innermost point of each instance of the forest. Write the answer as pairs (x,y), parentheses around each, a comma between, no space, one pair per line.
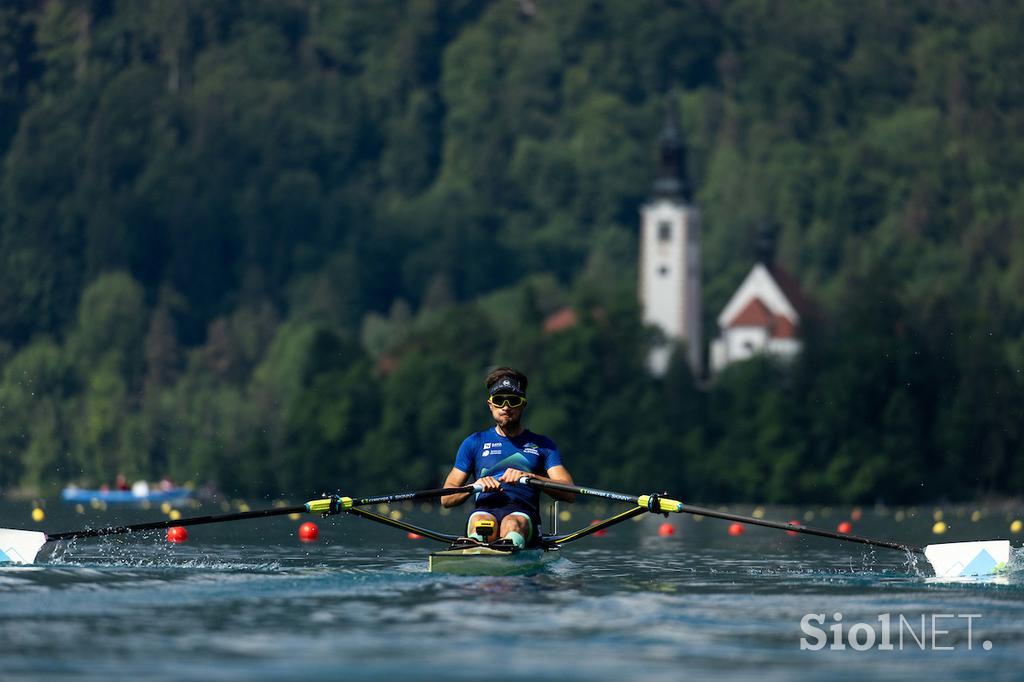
(274,246)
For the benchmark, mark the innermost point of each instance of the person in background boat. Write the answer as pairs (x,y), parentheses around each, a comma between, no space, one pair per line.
(121,483)
(497,458)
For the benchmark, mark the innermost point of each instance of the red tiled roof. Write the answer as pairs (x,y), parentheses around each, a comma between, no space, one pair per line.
(783,328)
(560,320)
(756,314)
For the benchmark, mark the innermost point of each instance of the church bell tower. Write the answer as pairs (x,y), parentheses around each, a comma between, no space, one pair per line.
(670,289)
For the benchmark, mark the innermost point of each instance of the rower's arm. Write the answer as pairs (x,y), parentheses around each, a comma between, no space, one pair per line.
(558,474)
(456,478)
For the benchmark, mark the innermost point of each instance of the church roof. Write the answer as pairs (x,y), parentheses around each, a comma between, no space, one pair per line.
(768,298)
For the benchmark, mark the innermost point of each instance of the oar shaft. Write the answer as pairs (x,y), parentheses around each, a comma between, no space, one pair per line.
(417,495)
(592,492)
(668,505)
(799,528)
(193,521)
(327,505)
(654,503)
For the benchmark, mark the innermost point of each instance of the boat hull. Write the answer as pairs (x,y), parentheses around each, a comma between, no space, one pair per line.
(484,560)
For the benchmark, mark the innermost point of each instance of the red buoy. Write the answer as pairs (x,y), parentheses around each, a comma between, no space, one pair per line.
(177,534)
(598,533)
(793,523)
(308,532)
(844,527)
(413,536)
(666,529)
(736,529)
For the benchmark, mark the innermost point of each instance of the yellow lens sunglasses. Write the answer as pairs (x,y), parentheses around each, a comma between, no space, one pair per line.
(512,401)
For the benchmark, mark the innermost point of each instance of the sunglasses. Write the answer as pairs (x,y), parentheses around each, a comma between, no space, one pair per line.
(512,401)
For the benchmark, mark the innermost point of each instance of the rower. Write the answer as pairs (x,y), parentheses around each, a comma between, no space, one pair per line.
(497,459)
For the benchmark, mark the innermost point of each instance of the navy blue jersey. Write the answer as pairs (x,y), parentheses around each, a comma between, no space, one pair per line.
(487,453)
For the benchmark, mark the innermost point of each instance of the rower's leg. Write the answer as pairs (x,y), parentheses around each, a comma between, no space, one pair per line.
(479,523)
(517,527)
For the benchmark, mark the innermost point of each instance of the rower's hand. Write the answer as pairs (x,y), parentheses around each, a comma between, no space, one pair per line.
(488,483)
(512,476)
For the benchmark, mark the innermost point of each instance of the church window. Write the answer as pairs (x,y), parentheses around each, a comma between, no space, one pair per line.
(664,231)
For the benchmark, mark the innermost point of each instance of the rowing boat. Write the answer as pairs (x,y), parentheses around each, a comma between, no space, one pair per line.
(491,560)
(954,560)
(134,496)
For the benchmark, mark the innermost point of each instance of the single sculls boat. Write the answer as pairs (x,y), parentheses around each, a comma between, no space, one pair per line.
(491,559)
(953,560)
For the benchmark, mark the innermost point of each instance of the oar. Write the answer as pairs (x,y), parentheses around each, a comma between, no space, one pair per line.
(22,546)
(950,560)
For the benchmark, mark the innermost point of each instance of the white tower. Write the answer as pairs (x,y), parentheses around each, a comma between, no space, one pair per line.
(670,292)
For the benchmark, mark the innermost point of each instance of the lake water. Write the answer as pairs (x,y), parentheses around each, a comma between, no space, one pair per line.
(246,600)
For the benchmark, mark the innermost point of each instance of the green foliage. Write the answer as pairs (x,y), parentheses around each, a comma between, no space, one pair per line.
(276,245)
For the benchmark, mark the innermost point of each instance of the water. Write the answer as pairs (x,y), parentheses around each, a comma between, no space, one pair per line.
(245,600)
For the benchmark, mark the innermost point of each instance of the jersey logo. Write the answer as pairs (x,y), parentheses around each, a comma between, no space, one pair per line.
(516,461)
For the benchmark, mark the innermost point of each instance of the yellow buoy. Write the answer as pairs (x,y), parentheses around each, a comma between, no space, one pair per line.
(565,515)
(79,509)
(1016,526)
(899,516)
(975,516)
(808,515)
(758,513)
(165,508)
(243,507)
(939,528)
(295,517)
(937,515)
(38,515)
(174,515)
(396,515)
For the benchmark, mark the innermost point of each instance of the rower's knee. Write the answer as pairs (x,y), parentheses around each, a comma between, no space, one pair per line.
(482,526)
(517,522)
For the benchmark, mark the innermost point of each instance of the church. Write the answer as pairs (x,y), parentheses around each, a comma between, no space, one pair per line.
(762,317)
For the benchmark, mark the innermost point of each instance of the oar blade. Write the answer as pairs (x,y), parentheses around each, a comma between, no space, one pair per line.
(966,559)
(20,546)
